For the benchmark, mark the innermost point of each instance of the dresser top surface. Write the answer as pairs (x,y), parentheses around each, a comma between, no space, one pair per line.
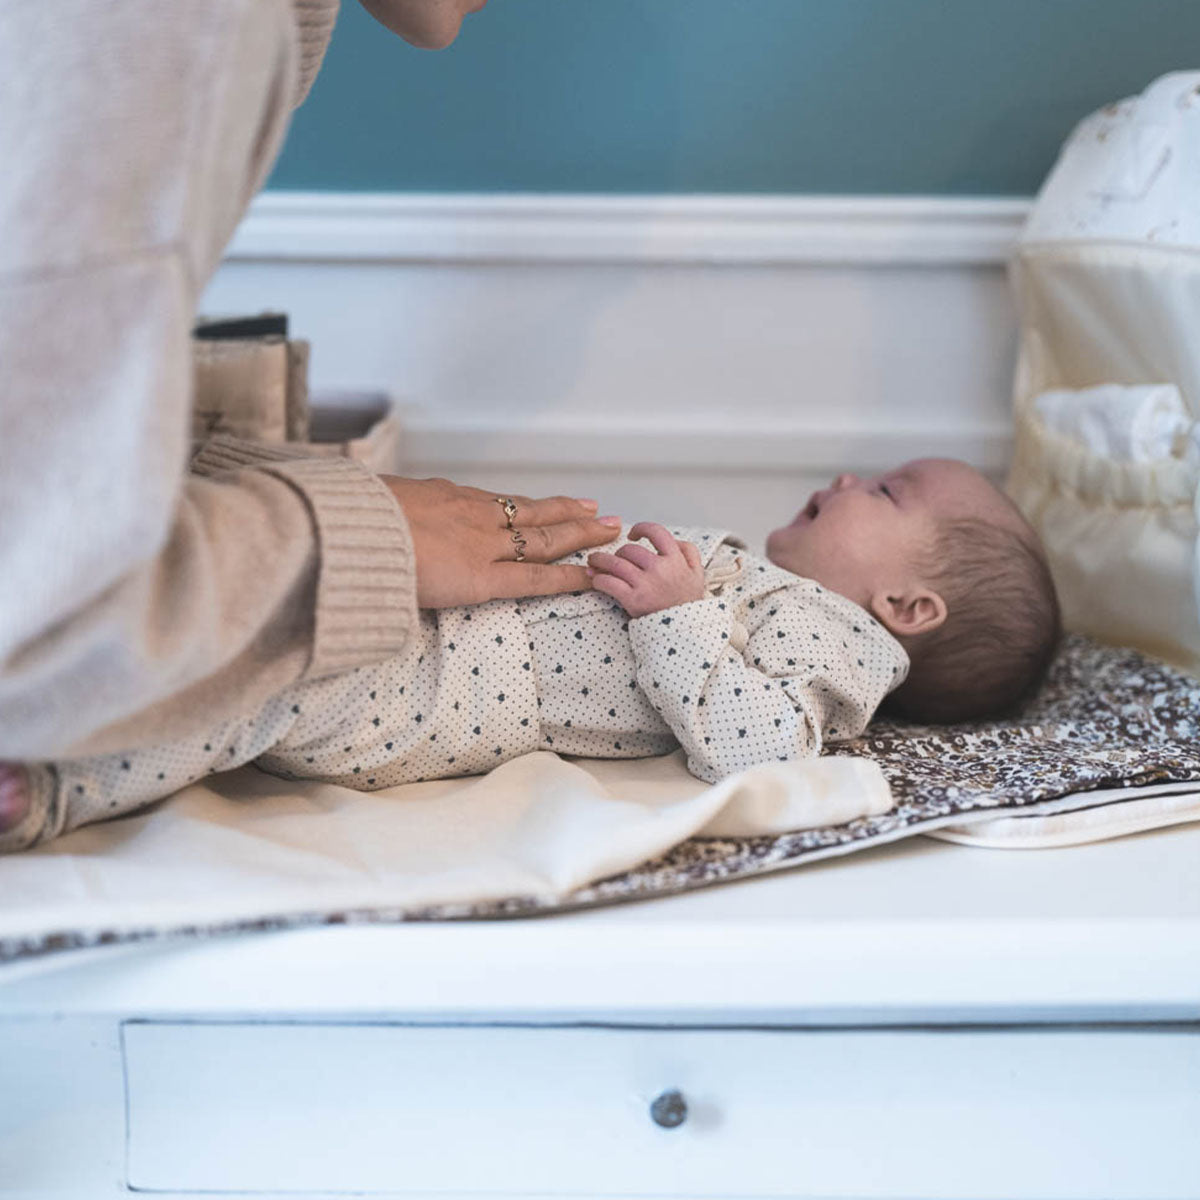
(914,929)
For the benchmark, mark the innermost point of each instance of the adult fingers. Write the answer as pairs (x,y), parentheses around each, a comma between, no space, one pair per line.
(479,505)
(657,535)
(552,510)
(544,543)
(613,564)
(458,536)
(691,553)
(511,580)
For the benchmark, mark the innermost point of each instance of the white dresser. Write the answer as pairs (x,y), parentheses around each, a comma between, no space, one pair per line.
(919,1021)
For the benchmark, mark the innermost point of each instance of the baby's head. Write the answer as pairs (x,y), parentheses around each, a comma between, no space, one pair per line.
(945,561)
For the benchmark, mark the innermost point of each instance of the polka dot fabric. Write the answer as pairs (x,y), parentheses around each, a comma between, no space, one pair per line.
(462,700)
(591,702)
(109,785)
(769,666)
(772,668)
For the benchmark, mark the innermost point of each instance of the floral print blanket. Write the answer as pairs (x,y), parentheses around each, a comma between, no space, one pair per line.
(1105,718)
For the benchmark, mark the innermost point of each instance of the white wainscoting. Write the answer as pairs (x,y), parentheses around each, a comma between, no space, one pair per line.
(699,359)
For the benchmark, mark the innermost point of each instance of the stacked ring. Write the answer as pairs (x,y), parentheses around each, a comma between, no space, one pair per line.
(519,541)
(510,509)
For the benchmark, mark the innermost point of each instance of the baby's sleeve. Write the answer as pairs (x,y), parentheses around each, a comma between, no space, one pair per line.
(809,673)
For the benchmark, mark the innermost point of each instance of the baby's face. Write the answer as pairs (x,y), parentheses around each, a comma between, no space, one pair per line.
(862,536)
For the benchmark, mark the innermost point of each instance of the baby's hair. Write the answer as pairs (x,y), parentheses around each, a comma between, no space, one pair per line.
(1001,630)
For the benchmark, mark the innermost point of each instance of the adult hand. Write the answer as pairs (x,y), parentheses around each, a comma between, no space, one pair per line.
(466,553)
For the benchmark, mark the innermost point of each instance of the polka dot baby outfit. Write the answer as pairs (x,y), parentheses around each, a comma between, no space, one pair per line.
(769,666)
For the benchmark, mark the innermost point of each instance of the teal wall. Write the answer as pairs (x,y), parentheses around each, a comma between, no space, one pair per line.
(867,96)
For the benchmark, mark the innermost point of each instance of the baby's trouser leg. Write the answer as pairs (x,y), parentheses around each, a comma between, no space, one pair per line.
(73,792)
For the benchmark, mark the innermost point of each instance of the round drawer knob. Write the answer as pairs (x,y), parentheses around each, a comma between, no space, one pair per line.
(669,1109)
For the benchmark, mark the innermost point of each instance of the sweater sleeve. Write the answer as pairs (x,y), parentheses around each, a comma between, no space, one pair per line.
(268,574)
(735,699)
(366,596)
(314,27)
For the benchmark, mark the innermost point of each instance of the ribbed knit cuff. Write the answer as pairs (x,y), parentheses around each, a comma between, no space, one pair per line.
(223,452)
(366,604)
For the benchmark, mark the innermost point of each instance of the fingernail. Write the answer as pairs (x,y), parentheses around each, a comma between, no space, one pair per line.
(588,503)
(610,521)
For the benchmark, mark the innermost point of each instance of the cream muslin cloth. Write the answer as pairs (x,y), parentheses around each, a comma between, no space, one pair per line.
(246,845)
(1126,424)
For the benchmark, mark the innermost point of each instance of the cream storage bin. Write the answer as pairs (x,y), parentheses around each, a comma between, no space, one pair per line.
(1106,277)
(358,425)
(250,380)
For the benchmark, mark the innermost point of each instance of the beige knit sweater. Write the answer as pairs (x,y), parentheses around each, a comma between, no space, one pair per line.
(139,602)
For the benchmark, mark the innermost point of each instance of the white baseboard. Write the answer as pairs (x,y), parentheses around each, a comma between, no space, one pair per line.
(690,354)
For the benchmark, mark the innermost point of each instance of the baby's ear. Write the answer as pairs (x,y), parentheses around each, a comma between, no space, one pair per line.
(909,613)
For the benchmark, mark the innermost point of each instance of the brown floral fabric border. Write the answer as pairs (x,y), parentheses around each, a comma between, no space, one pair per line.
(1105,718)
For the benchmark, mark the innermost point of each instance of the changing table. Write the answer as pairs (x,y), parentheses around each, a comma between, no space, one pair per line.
(917,1020)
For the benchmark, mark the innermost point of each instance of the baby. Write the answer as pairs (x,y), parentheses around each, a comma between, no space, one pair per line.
(922,589)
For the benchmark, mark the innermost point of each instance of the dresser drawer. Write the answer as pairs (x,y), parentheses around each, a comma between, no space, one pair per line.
(567,1111)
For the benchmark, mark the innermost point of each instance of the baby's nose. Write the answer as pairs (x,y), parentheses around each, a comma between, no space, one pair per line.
(845,480)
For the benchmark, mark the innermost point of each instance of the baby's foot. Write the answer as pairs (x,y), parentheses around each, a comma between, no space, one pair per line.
(14,795)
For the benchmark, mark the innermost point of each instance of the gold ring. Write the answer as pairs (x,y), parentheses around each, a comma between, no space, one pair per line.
(519,541)
(510,509)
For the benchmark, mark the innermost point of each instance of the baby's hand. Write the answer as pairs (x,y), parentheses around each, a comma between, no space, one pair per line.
(641,581)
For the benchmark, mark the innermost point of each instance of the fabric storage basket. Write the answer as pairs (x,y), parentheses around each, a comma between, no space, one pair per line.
(1106,277)
(358,425)
(250,380)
